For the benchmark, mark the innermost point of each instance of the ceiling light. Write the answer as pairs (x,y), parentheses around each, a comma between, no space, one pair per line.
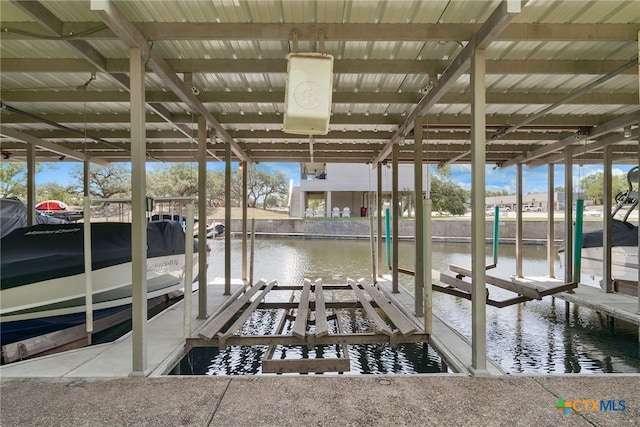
(627,131)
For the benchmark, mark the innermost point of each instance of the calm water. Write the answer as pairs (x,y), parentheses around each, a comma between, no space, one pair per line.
(533,337)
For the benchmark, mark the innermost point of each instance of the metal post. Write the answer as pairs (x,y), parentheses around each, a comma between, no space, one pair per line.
(551,250)
(188,270)
(245,198)
(31,184)
(478,222)
(428,281)
(519,220)
(138,213)
(496,233)
(419,220)
(606,220)
(379,200)
(227,219)
(374,274)
(202,214)
(88,265)
(568,214)
(396,213)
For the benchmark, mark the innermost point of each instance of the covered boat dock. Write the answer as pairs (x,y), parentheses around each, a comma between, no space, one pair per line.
(486,83)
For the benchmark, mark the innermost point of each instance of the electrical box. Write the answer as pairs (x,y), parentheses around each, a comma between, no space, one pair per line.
(308,93)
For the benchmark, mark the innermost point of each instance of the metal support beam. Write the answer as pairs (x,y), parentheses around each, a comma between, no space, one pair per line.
(46,145)
(127,32)
(478,222)
(490,30)
(245,201)
(202,215)
(519,220)
(551,249)
(379,207)
(138,215)
(606,219)
(568,215)
(613,125)
(227,219)
(419,220)
(31,184)
(395,214)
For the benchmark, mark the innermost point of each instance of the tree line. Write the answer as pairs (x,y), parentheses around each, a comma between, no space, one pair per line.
(266,188)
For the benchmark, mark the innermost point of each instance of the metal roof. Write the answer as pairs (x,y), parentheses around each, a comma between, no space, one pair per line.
(559,73)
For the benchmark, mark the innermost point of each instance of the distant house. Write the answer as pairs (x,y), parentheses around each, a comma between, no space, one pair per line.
(346,188)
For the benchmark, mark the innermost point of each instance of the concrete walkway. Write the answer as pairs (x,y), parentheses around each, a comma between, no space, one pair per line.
(320,400)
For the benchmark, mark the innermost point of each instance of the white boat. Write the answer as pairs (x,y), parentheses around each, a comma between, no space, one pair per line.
(43,281)
(624,239)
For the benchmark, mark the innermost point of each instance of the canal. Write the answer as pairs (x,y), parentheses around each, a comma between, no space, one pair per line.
(532,337)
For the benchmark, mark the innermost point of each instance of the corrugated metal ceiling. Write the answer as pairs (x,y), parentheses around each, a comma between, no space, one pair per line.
(387,53)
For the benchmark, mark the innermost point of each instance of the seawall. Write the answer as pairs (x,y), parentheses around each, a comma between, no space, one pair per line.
(534,232)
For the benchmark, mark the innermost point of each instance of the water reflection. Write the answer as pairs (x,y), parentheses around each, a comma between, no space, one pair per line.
(536,336)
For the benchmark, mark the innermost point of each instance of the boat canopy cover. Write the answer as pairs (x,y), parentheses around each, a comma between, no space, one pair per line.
(13,214)
(622,234)
(49,251)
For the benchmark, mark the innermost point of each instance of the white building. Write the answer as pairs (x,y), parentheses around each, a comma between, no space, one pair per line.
(347,188)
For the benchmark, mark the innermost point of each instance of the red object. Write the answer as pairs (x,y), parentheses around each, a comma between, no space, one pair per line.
(363,211)
(52,205)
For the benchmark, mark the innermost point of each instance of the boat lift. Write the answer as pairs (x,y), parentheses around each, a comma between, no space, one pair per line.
(314,320)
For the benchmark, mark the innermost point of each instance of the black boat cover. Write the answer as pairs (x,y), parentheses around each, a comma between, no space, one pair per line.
(48,251)
(622,234)
(13,214)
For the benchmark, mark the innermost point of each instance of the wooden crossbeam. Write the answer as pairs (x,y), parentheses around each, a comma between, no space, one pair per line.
(397,318)
(300,325)
(380,324)
(304,366)
(321,311)
(499,304)
(331,339)
(519,288)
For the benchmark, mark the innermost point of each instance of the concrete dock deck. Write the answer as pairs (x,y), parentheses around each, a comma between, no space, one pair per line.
(92,387)
(321,400)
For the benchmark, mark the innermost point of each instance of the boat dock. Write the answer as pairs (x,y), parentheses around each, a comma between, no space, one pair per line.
(92,386)
(166,343)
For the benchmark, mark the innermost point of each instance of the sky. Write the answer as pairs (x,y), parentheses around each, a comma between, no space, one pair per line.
(534,180)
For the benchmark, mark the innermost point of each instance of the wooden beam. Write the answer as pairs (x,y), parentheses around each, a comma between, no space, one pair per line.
(300,325)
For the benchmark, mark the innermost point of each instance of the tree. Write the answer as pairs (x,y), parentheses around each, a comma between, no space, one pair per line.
(215,188)
(275,188)
(175,179)
(13,179)
(104,182)
(592,185)
(407,199)
(52,190)
(262,183)
(448,197)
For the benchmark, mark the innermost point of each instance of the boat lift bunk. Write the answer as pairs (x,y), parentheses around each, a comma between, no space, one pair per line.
(313,320)
(526,290)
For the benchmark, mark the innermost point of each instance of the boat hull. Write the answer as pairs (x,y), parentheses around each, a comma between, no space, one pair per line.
(43,278)
(111,287)
(624,262)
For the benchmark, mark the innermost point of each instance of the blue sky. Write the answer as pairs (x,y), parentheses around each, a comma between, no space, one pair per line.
(534,180)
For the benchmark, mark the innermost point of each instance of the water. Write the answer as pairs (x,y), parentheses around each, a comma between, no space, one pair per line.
(532,337)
